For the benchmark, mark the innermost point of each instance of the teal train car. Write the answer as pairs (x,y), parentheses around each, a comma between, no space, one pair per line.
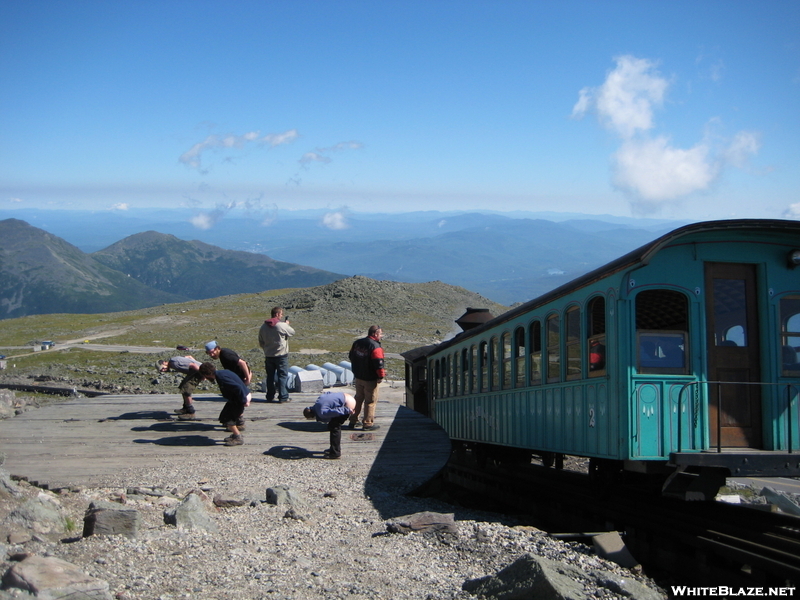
(679,359)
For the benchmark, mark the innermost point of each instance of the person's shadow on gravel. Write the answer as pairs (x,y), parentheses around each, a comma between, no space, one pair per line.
(177,426)
(307,426)
(180,440)
(291,453)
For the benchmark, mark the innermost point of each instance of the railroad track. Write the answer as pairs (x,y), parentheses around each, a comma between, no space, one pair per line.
(685,543)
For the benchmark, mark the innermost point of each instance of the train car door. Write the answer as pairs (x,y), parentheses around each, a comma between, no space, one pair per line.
(733,354)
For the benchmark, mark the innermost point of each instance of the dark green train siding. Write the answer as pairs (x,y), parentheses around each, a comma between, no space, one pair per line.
(626,414)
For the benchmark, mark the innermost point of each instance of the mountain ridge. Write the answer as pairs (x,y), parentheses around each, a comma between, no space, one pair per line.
(198,270)
(41,273)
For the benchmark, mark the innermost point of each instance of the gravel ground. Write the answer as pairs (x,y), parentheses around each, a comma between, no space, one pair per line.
(340,548)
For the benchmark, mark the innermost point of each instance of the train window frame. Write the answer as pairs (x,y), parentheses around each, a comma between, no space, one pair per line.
(435,377)
(662,312)
(483,358)
(506,368)
(535,352)
(519,353)
(473,370)
(553,348)
(454,387)
(659,363)
(446,376)
(494,363)
(573,344)
(596,336)
(789,312)
(465,372)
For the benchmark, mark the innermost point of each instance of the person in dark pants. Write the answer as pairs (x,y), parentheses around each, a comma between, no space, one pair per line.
(238,398)
(273,338)
(230,361)
(332,408)
(189,366)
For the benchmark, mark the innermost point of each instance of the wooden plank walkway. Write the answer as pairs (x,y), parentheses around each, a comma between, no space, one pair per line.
(82,442)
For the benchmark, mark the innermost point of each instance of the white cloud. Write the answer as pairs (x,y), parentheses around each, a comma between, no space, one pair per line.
(15,200)
(648,167)
(625,102)
(207,219)
(202,221)
(193,157)
(321,154)
(335,220)
(653,170)
(310,157)
(120,206)
(793,212)
(744,145)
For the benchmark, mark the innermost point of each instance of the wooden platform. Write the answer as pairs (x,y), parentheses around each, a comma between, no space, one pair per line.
(80,442)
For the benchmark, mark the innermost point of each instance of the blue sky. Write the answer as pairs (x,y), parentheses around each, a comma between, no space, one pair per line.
(681,109)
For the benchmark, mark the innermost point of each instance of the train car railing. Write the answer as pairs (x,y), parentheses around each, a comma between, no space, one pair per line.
(792,391)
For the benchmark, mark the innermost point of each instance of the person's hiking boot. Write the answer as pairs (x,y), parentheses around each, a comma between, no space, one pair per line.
(234,440)
(331,455)
(184,410)
(353,424)
(187,416)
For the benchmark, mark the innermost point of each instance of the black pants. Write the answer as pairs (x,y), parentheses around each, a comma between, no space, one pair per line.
(335,427)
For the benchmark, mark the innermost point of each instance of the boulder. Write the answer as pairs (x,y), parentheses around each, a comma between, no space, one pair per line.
(40,514)
(105,518)
(283,494)
(190,514)
(50,578)
(423,521)
(537,577)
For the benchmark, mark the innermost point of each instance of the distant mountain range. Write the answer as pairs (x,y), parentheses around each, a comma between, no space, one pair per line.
(41,273)
(504,258)
(197,270)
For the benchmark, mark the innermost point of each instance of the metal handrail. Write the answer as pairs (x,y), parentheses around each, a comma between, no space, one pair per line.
(789,396)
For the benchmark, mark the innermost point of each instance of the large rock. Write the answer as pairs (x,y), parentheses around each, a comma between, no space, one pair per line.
(423,521)
(105,518)
(190,514)
(8,487)
(283,494)
(40,514)
(537,577)
(51,578)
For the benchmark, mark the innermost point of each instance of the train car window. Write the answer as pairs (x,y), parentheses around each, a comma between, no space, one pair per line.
(730,312)
(456,373)
(435,386)
(465,371)
(495,359)
(596,340)
(536,352)
(473,370)
(790,336)
(483,356)
(572,322)
(662,318)
(553,349)
(505,365)
(446,376)
(519,356)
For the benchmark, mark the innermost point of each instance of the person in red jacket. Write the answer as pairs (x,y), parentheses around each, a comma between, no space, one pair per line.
(366,359)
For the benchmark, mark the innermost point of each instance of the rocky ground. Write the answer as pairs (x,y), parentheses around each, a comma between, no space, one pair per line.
(334,542)
(335,545)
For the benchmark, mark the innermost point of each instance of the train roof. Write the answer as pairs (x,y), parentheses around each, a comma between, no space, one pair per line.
(640,256)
